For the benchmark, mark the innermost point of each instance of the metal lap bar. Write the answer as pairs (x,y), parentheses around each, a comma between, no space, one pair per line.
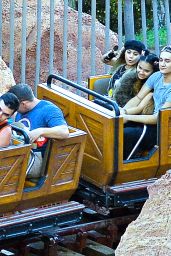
(138,142)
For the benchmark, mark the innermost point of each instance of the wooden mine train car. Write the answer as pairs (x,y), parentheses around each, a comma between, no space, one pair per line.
(19,202)
(107,179)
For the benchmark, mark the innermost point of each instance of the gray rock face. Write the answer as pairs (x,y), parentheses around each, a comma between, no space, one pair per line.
(6,77)
(150,233)
(58,41)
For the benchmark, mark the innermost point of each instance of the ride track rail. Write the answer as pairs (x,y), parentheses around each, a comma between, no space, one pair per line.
(102,233)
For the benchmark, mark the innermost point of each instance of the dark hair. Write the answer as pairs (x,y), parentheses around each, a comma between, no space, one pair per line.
(10,100)
(122,55)
(23,92)
(129,44)
(134,45)
(152,59)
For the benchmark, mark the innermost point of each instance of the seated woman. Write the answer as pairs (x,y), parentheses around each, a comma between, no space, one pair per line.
(9,103)
(132,51)
(160,83)
(130,55)
(126,59)
(131,82)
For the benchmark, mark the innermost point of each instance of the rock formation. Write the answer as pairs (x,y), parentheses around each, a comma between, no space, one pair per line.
(31,43)
(150,233)
(6,77)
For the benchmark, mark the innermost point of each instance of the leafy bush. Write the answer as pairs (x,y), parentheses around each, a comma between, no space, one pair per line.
(150,37)
(100,15)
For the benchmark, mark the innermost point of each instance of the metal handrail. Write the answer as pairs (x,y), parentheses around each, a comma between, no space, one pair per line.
(81,88)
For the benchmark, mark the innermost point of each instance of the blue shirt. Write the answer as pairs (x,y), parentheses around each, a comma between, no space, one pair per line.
(162,91)
(44,114)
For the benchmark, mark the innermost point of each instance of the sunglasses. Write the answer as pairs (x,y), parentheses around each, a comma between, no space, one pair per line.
(166,49)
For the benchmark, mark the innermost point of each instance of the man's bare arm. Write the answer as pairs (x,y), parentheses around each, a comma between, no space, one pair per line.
(57,132)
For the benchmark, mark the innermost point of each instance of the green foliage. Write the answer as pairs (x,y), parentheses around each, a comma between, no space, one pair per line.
(100,15)
(150,37)
(137,15)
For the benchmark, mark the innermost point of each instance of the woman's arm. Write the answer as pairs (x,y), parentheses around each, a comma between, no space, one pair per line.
(109,58)
(167,105)
(145,119)
(138,109)
(134,102)
(112,56)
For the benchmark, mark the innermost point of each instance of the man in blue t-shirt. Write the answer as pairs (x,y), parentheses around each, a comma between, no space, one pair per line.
(160,83)
(41,118)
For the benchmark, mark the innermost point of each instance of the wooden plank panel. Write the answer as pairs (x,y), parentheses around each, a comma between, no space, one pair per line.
(9,189)
(94,130)
(3,172)
(98,123)
(13,179)
(12,175)
(67,168)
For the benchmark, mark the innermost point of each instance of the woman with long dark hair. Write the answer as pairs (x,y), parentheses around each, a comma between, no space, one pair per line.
(131,82)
